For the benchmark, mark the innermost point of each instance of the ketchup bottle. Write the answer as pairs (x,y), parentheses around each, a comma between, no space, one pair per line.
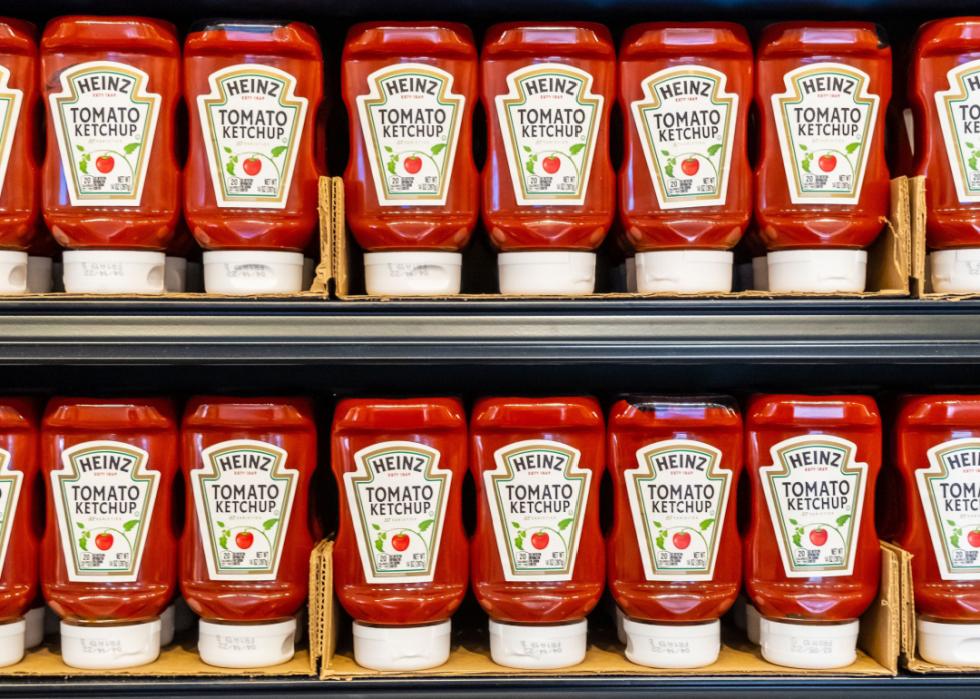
(812,560)
(943,93)
(18,538)
(937,455)
(685,190)
(111,178)
(412,196)
(400,561)
(537,557)
(548,184)
(674,558)
(245,550)
(108,558)
(253,91)
(822,185)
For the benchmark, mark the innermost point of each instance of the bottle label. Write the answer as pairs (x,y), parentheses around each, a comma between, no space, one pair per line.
(397,501)
(950,492)
(243,494)
(959,117)
(815,493)
(678,495)
(105,121)
(10,482)
(549,118)
(252,123)
(104,496)
(537,496)
(410,120)
(10,103)
(825,121)
(686,122)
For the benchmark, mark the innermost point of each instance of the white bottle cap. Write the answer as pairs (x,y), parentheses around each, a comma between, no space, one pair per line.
(684,271)
(39,278)
(12,642)
(414,273)
(955,271)
(753,623)
(401,647)
(113,271)
(631,274)
(620,631)
(672,645)
(109,647)
(809,646)
(13,272)
(953,644)
(563,272)
(175,274)
(536,646)
(247,272)
(817,270)
(167,627)
(34,634)
(760,273)
(246,645)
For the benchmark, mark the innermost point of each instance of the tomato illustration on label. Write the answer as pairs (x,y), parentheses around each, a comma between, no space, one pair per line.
(825,122)
(104,496)
(549,119)
(243,496)
(959,116)
(410,120)
(685,122)
(397,499)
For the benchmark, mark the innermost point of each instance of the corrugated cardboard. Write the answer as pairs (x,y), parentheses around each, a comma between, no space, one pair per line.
(879,641)
(889,259)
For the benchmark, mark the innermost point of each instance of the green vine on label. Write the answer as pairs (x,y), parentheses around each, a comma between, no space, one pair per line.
(974,155)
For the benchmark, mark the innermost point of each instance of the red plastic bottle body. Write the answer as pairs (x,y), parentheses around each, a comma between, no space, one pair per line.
(822,90)
(18,536)
(685,92)
(410,90)
(111,87)
(674,559)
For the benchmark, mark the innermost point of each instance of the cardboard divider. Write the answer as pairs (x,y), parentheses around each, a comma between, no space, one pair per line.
(889,260)
(879,644)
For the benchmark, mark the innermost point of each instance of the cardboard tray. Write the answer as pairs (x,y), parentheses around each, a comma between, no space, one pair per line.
(889,259)
(879,643)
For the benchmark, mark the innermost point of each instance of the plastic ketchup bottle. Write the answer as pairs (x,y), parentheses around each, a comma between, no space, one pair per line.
(937,455)
(110,177)
(245,551)
(548,184)
(411,184)
(812,560)
(944,93)
(18,538)
(400,562)
(254,91)
(109,555)
(674,556)
(685,189)
(537,558)
(822,185)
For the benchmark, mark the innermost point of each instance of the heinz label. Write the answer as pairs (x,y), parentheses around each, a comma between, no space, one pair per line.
(243,494)
(549,119)
(537,496)
(252,123)
(410,120)
(950,493)
(104,496)
(10,103)
(678,494)
(10,483)
(686,122)
(397,501)
(825,121)
(105,121)
(815,493)
(959,116)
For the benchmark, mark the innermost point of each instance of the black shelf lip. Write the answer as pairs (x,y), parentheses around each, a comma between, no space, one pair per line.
(276,331)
